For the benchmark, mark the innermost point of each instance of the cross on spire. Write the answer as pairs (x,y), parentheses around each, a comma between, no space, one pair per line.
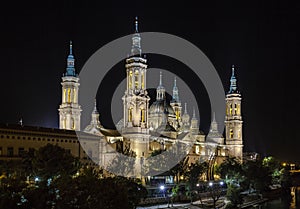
(136,24)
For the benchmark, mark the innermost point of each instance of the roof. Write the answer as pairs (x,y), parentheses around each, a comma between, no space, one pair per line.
(43,130)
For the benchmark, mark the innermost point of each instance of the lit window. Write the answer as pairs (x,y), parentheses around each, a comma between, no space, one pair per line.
(129,114)
(69,95)
(136,79)
(231,133)
(130,79)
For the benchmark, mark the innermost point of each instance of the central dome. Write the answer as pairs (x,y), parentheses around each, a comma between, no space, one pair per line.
(158,107)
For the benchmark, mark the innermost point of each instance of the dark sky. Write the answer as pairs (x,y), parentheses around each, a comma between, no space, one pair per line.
(261,38)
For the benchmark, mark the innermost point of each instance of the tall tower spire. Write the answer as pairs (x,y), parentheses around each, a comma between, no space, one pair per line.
(175,96)
(136,49)
(95,126)
(194,123)
(160,91)
(185,108)
(70,71)
(233,84)
(176,105)
(136,99)
(214,134)
(233,119)
(185,120)
(70,110)
(194,113)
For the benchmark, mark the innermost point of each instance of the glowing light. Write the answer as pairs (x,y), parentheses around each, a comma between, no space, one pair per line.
(210,184)
(162,187)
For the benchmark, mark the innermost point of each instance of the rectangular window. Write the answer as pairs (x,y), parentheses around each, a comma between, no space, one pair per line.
(21,151)
(10,151)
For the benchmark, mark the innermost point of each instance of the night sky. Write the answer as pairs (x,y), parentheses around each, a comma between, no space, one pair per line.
(261,38)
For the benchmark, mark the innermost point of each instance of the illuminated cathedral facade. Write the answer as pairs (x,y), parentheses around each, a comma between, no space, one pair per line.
(147,128)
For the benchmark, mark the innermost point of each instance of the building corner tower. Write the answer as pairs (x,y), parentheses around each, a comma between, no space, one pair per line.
(70,110)
(233,120)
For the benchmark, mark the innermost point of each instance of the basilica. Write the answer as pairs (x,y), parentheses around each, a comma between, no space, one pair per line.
(145,129)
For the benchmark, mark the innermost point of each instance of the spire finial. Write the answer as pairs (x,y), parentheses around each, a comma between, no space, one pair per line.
(160,78)
(233,86)
(70,71)
(71,46)
(95,105)
(194,112)
(136,24)
(175,96)
(185,108)
(214,116)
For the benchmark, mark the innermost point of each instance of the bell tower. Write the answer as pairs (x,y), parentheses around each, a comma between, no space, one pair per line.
(136,99)
(233,119)
(176,105)
(70,110)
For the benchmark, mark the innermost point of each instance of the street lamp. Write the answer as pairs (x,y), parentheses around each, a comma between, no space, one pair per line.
(162,188)
(210,184)
(221,183)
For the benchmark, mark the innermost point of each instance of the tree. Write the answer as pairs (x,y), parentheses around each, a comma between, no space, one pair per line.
(52,161)
(123,163)
(193,173)
(257,176)
(231,171)
(233,194)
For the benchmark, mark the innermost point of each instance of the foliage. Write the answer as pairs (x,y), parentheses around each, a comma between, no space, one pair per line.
(61,184)
(193,173)
(52,161)
(233,194)
(123,165)
(231,171)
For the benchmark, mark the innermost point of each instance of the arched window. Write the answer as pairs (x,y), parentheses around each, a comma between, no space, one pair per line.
(74,95)
(235,109)
(69,95)
(136,79)
(231,133)
(238,109)
(64,95)
(143,80)
(142,115)
(130,79)
(130,114)
(73,124)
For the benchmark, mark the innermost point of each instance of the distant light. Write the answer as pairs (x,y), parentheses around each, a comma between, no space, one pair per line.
(221,183)
(36,179)
(210,184)
(162,187)
(197,185)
